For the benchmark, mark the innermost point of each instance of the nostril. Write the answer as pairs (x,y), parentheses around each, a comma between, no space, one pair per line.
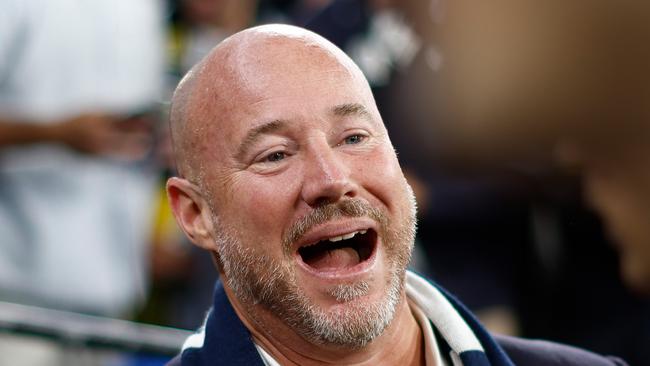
(351,193)
(321,201)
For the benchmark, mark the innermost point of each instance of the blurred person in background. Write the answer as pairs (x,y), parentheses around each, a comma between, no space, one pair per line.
(566,79)
(77,81)
(567,83)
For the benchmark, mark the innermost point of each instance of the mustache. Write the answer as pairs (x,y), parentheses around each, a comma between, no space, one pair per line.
(322,214)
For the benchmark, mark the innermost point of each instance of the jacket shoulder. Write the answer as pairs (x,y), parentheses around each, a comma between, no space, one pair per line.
(536,352)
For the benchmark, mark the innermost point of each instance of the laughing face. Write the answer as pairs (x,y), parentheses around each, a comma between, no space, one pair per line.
(310,215)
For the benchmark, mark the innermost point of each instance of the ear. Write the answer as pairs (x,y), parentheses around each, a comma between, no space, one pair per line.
(192,211)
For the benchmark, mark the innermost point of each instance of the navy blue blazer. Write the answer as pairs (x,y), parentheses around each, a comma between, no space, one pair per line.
(228,342)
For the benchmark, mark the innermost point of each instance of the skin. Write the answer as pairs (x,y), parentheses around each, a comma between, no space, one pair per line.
(275,125)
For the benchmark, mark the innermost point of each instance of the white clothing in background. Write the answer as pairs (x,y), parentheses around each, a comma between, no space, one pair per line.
(73,228)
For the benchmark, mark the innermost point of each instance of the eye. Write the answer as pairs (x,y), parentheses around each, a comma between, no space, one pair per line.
(353,139)
(272,161)
(276,156)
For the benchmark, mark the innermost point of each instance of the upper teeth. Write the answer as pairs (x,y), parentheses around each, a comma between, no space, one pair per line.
(346,236)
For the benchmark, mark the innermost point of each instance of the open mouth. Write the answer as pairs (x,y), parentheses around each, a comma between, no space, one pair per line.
(340,252)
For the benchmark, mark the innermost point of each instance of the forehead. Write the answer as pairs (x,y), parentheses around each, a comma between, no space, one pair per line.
(278,79)
(280,67)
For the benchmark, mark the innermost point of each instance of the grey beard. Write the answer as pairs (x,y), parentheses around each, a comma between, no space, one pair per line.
(354,327)
(257,279)
(349,292)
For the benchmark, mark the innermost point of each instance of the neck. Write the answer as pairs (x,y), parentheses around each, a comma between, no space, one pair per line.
(400,344)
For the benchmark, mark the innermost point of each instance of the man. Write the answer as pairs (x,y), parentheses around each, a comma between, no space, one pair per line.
(288,178)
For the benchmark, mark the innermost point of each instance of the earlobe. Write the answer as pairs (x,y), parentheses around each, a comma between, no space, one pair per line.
(191,211)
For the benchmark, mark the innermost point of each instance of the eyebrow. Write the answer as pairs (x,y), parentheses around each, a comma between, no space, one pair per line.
(351,109)
(255,133)
(341,110)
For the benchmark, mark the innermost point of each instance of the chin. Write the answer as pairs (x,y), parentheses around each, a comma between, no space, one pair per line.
(355,321)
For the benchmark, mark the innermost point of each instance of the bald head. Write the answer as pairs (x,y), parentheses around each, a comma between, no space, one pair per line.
(240,66)
(276,131)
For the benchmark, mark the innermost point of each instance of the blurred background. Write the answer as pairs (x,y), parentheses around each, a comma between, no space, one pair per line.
(523,127)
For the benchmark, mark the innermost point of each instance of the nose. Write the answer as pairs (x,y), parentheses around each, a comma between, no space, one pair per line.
(326,178)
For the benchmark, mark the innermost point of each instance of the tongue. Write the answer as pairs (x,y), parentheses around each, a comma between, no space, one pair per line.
(329,260)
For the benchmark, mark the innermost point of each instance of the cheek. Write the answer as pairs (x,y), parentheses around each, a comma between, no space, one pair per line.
(382,176)
(263,205)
